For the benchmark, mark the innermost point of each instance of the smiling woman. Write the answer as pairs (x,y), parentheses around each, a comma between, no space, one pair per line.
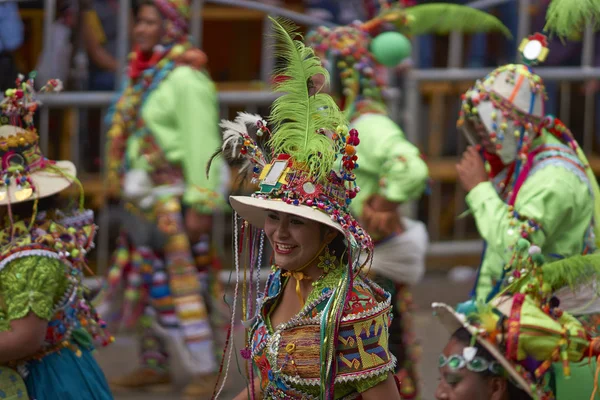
(321,329)
(294,241)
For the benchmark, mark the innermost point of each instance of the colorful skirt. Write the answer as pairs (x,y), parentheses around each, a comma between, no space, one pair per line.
(174,284)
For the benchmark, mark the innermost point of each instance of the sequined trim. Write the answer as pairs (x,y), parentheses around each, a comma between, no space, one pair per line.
(27,253)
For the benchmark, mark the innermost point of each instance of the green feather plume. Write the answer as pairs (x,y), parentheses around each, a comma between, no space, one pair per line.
(296,115)
(569,272)
(567,18)
(443,18)
(572,272)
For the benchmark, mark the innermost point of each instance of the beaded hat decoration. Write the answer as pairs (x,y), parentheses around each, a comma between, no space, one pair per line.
(360,48)
(508,103)
(308,170)
(24,171)
(510,326)
(176,14)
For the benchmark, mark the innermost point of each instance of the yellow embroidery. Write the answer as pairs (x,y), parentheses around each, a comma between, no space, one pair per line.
(347,342)
(350,364)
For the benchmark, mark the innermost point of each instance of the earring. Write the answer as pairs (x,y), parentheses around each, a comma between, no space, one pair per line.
(326,260)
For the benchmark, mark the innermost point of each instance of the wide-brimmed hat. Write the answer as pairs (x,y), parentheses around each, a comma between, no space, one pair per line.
(523,328)
(305,165)
(253,209)
(522,332)
(25,174)
(360,50)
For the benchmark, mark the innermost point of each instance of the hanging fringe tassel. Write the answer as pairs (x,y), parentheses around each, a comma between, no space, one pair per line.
(228,342)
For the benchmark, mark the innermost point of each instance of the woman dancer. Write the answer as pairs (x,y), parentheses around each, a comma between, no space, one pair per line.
(321,330)
(47,328)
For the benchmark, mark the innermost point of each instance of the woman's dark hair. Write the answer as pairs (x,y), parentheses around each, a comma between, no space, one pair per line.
(464,337)
(337,246)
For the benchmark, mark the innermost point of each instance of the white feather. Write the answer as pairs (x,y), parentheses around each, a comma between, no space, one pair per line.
(248,119)
(234,125)
(232,133)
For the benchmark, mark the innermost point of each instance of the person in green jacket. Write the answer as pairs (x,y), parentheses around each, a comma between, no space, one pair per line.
(164,128)
(525,177)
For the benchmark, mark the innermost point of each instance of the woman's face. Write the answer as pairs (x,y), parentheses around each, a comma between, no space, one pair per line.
(296,241)
(464,384)
(148,29)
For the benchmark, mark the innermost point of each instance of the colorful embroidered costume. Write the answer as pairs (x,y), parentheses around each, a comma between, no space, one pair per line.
(293,348)
(391,167)
(541,186)
(164,128)
(336,346)
(42,262)
(537,345)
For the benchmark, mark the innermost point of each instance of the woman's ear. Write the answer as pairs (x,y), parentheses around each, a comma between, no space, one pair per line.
(498,388)
(330,235)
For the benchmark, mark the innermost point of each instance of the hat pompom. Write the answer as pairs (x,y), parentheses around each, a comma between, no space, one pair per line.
(390,48)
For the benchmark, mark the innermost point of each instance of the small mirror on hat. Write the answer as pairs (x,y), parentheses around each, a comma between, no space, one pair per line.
(534,49)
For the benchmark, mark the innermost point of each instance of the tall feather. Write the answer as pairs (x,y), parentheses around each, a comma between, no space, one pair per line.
(443,18)
(297,116)
(567,18)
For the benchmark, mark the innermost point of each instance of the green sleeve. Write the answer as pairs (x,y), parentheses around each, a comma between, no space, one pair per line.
(365,384)
(385,150)
(543,202)
(32,284)
(196,116)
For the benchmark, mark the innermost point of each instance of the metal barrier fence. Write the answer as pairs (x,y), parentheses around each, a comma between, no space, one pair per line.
(410,117)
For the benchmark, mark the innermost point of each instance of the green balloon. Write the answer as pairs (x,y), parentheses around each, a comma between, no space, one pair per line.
(390,48)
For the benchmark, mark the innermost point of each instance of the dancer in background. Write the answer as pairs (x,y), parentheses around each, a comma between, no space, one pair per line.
(163,129)
(392,171)
(47,328)
(538,184)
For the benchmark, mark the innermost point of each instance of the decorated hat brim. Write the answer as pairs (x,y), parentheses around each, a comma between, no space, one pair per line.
(452,321)
(254,210)
(47,182)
